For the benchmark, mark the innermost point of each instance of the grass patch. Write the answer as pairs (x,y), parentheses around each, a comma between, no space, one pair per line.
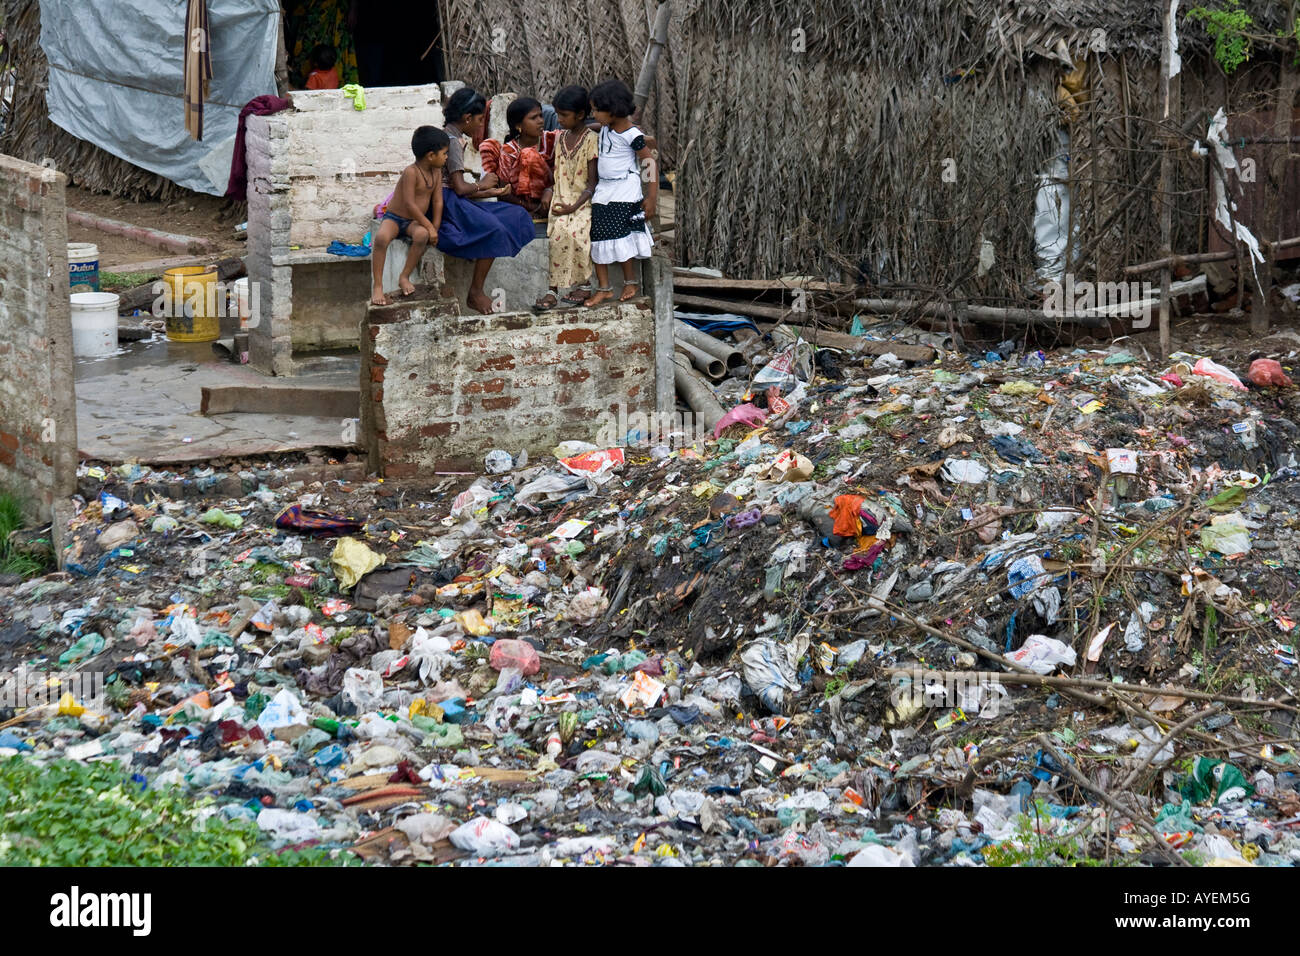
(11,520)
(65,813)
(118,281)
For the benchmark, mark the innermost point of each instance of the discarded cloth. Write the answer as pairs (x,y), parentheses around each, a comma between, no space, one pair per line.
(237,188)
(847,515)
(337,248)
(356,93)
(298,518)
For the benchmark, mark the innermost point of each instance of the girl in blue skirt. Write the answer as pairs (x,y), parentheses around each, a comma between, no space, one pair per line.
(481,231)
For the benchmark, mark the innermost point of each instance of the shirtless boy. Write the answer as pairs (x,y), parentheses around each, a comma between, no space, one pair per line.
(414,213)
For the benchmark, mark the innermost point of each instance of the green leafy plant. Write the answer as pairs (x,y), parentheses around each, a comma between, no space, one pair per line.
(1029,847)
(65,813)
(1229,27)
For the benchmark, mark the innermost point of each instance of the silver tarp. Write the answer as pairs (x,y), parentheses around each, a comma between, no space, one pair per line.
(116,79)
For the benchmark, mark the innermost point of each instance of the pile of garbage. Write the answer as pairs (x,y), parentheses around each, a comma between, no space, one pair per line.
(1000,608)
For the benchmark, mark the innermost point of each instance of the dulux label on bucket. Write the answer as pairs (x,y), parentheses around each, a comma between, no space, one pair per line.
(84,276)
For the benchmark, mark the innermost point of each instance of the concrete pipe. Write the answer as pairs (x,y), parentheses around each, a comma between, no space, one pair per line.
(731,356)
(696,392)
(710,365)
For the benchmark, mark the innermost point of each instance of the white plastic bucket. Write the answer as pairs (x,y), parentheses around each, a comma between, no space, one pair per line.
(242,302)
(94,323)
(83,267)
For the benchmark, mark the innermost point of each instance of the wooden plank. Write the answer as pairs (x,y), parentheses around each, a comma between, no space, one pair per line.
(740,308)
(856,343)
(686,280)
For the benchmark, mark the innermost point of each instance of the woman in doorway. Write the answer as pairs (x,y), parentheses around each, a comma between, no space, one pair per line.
(471,229)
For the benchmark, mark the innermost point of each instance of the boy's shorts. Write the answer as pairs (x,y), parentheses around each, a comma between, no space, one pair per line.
(401,224)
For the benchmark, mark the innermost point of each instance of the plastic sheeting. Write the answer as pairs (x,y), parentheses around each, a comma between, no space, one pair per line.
(117,80)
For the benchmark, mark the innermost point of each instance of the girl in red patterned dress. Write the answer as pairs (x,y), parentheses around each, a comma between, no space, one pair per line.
(527,158)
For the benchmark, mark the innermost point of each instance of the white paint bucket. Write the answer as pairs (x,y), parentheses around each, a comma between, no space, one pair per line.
(83,267)
(94,323)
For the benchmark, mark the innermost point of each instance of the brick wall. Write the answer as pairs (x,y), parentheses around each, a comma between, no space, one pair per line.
(439,390)
(38,421)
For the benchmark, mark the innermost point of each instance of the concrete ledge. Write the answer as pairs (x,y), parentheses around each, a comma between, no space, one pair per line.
(280,400)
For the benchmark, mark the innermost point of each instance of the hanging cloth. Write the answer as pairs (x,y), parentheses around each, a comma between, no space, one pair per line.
(198,65)
(357,94)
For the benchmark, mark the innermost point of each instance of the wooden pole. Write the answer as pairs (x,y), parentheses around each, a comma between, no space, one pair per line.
(1202,257)
(1166,177)
(1288,82)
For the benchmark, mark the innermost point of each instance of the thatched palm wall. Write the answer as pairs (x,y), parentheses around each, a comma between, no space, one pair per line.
(830,158)
(534,49)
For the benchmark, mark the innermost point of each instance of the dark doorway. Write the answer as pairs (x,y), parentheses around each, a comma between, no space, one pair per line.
(376,42)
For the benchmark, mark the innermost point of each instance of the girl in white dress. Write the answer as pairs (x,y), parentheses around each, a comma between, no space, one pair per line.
(620,228)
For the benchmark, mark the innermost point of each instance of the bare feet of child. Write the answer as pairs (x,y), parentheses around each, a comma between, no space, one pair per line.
(629,292)
(599,296)
(377,296)
(479,302)
(407,287)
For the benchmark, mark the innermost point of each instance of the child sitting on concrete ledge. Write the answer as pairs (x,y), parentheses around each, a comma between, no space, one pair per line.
(413,213)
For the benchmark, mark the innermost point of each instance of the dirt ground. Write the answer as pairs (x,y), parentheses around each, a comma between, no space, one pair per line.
(195,214)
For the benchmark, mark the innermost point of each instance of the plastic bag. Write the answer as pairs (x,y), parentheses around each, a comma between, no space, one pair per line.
(289,826)
(1025,576)
(552,485)
(586,607)
(364,688)
(964,471)
(224,519)
(877,855)
(283,711)
(1268,372)
(1226,534)
(485,837)
(517,654)
(351,561)
(498,462)
(471,499)
(595,465)
(1224,780)
(1212,369)
(747,414)
(788,466)
(1042,654)
(769,670)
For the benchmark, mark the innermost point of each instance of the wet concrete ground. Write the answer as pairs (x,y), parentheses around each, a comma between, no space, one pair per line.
(142,404)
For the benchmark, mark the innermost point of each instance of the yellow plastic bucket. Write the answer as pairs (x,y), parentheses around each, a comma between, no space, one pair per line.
(191,307)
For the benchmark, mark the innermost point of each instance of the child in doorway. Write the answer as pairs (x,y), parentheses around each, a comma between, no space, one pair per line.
(620,230)
(323,74)
(569,229)
(414,212)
